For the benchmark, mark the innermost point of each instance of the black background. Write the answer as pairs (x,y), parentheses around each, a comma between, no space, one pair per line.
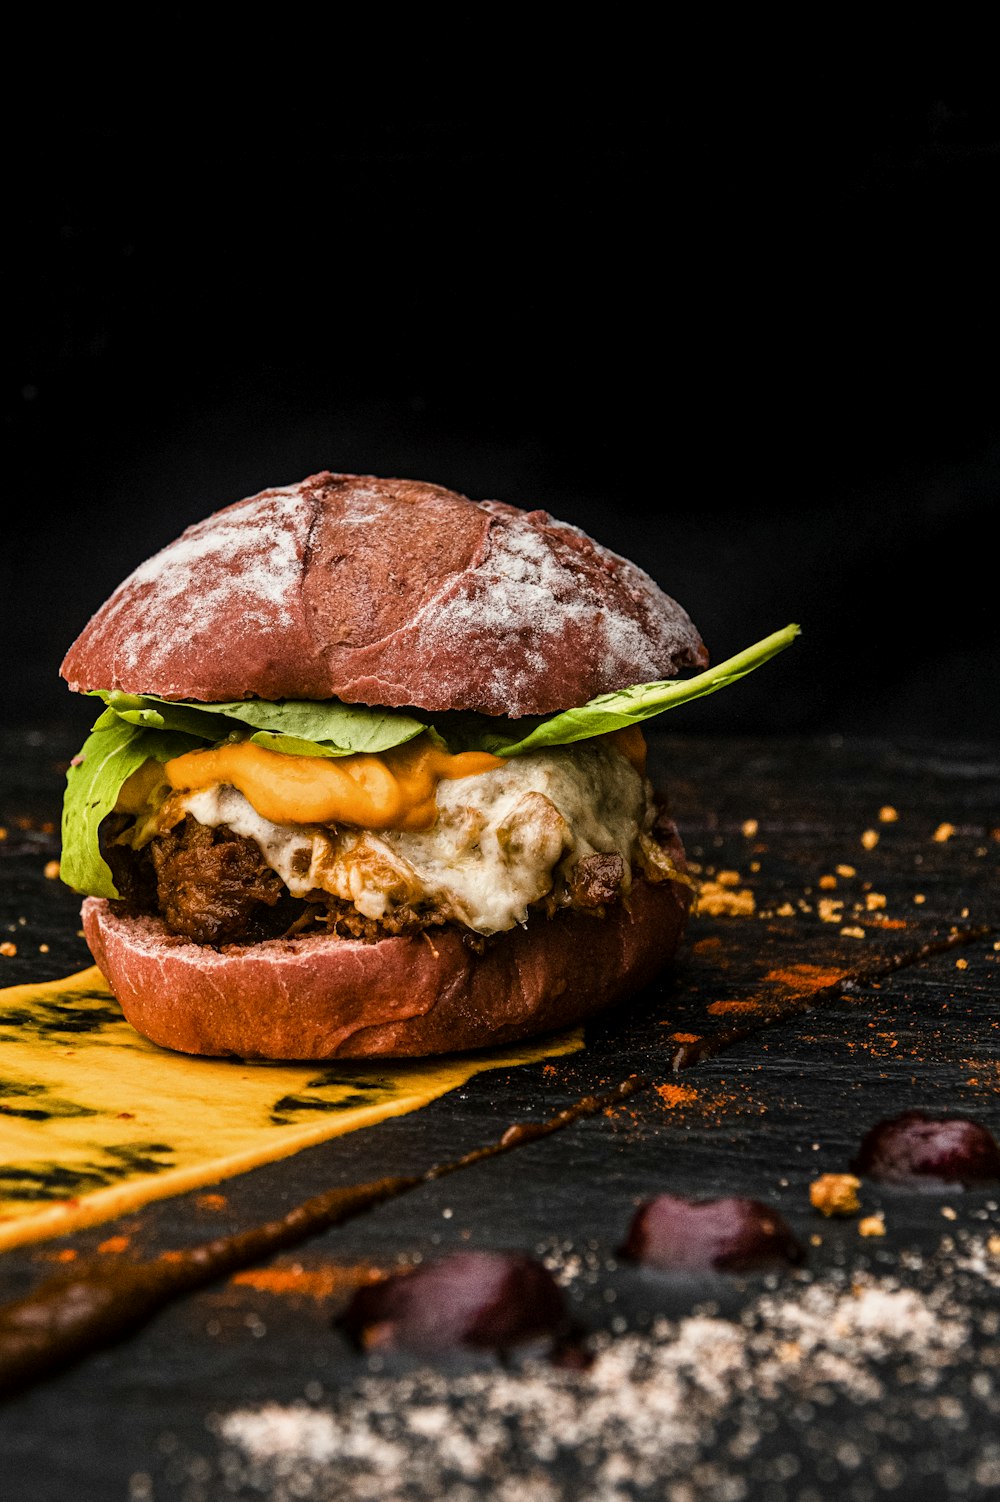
(748,338)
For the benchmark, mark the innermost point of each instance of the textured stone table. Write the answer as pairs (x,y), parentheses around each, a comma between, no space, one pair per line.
(873,1370)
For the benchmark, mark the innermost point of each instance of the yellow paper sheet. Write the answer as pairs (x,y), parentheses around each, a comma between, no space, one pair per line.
(96,1121)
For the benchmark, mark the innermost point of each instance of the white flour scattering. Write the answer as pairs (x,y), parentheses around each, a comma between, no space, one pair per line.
(692,1410)
(246,560)
(538,573)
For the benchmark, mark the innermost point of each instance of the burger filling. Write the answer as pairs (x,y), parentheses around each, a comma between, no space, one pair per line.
(238,844)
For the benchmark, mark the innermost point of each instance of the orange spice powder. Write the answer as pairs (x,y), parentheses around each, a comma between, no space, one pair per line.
(805,977)
(676,1095)
(311,1282)
(723,1008)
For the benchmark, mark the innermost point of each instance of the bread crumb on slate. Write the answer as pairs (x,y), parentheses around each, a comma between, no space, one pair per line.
(51,870)
(718,901)
(8,949)
(750,828)
(846,871)
(853,933)
(887,814)
(870,839)
(874,901)
(835,1194)
(872,1225)
(943,832)
(830,909)
(828,883)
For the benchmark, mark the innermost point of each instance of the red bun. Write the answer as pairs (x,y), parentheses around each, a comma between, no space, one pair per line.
(321,998)
(387,592)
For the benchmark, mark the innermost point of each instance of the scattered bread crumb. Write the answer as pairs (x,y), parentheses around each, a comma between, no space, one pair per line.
(949,1213)
(993,1246)
(7,949)
(943,832)
(887,814)
(961,964)
(830,909)
(750,828)
(52,870)
(870,839)
(729,878)
(718,901)
(874,901)
(872,1225)
(3,832)
(846,871)
(919,898)
(835,1194)
(828,883)
(853,933)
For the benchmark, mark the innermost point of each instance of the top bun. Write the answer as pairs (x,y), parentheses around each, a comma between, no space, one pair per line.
(387,592)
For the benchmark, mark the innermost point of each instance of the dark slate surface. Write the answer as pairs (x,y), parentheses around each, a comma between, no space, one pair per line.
(897,1396)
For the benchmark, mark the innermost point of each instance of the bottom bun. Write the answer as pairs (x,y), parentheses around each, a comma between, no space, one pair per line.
(322,997)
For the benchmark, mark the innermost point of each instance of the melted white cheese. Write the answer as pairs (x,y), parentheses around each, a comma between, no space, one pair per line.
(499,840)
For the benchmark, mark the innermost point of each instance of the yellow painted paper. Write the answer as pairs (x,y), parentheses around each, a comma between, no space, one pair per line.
(96,1121)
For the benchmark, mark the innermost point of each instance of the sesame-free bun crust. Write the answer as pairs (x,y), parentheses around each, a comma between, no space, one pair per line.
(320,997)
(384,592)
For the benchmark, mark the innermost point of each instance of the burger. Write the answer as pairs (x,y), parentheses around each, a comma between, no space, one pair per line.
(370,777)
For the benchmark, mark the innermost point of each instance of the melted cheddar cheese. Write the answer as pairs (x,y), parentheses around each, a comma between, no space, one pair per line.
(394,790)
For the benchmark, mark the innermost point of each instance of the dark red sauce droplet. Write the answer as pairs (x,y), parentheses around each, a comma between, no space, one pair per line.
(729,1235)
(917,1148)
(489,1300)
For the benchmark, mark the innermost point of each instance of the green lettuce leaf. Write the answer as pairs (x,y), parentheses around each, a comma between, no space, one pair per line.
(109,755)
(301,727)
(631,705)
